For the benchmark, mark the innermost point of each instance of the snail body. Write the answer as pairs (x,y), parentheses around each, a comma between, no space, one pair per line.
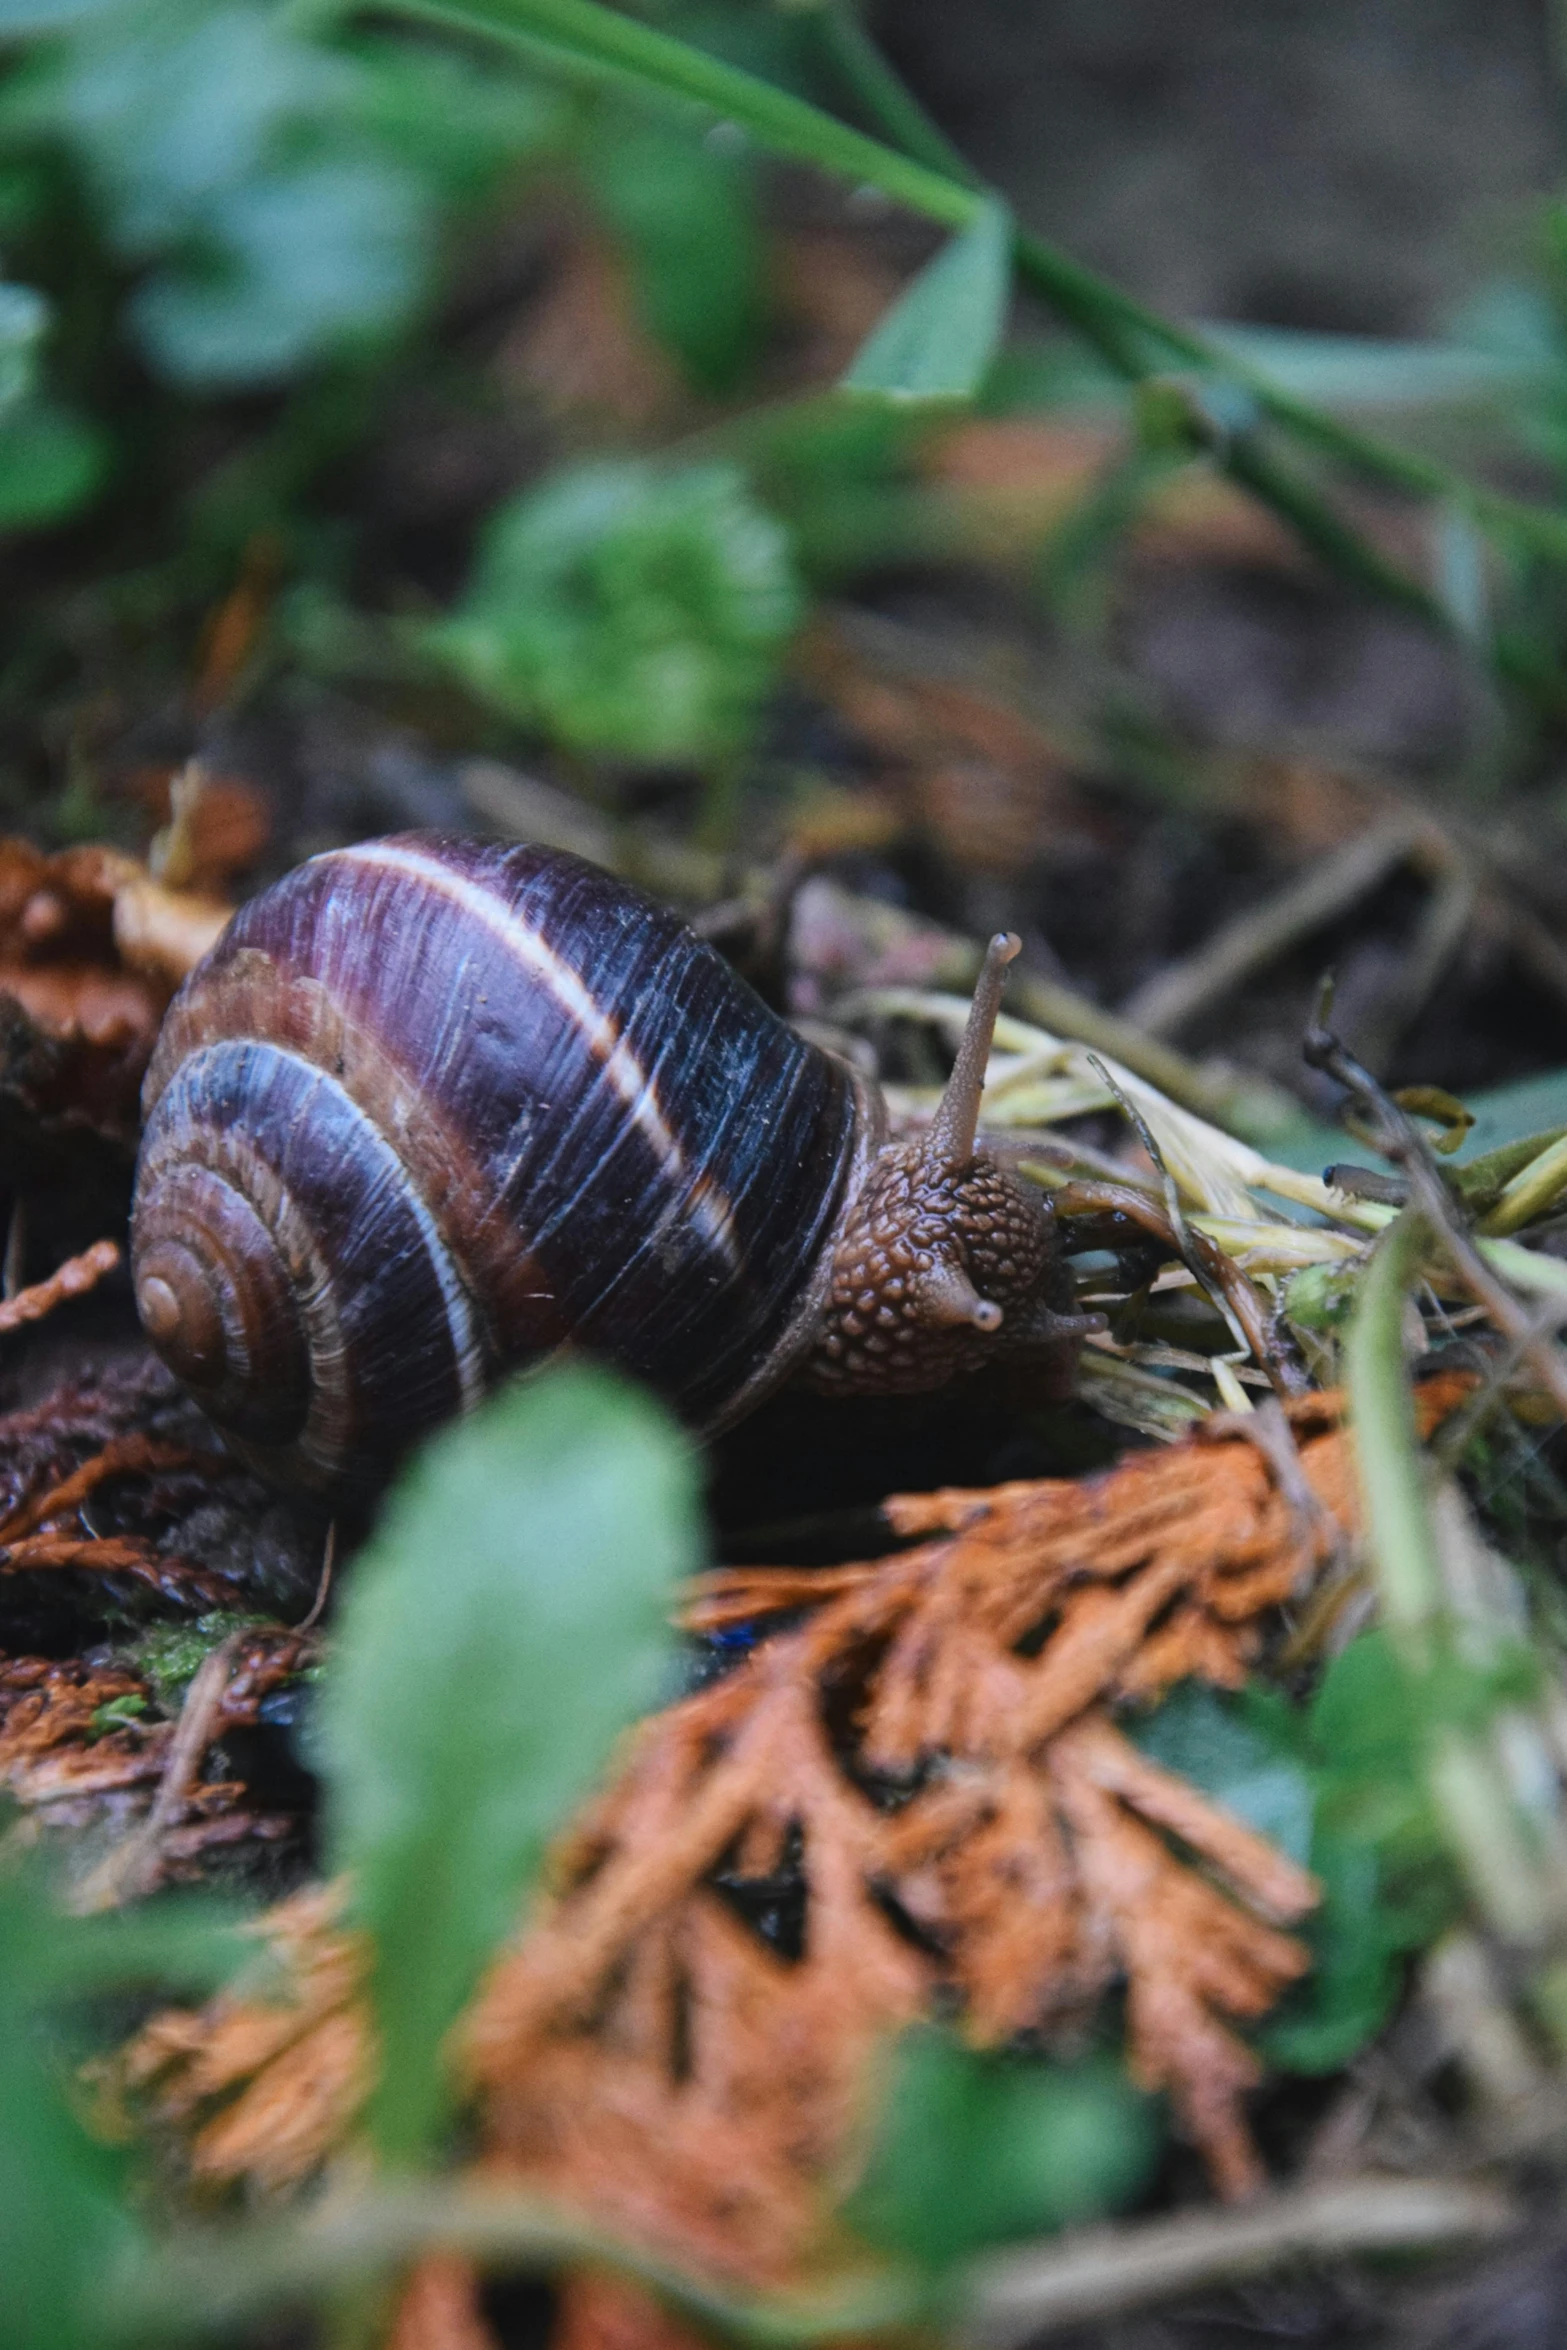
(431,1110)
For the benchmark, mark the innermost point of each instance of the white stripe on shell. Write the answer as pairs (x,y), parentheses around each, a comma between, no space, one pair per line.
(636,1088)
(467,1352)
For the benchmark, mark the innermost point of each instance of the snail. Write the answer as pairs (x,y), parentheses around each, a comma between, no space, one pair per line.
(431,1110)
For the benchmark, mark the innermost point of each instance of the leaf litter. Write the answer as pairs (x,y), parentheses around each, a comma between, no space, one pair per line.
(910,1794)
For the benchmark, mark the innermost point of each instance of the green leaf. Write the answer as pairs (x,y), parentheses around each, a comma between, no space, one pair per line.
(1235,1760)
(303,262)
(192,1943)
(685,211)
(1356,371)
(24,316)
(1337,1787)
(19,18)
(237,164)
(449,118)
(629,609)
(51,462)
(974,2149)
(940,336)
(63,2225)
(505,1623)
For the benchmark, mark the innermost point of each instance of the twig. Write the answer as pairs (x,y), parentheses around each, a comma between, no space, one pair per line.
(1248,1107)
(11,1281)
(73,1279)
(1394,1133)
(1231,953)
(308,1623)
(132,1867)
(1440,932)
(1450,1444)
(1242,1296)
(1015,2296)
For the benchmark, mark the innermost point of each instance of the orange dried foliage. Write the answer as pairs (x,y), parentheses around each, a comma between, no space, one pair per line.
(47,1747)
(45,1445)
(264,2089)
(926,1768)
(42,1532)
(91,948)
(72,1279)
(122,1456)
(50,1752)
(439,2308)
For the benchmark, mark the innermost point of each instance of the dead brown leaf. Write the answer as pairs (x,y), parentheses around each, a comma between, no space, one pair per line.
(914,1797)
(91,949)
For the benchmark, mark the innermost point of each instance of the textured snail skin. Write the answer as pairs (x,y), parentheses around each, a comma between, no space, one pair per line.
(429,1110)
(876,1334)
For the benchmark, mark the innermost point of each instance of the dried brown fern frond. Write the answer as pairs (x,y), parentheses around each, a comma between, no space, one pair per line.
(914,1798)
(62,1752)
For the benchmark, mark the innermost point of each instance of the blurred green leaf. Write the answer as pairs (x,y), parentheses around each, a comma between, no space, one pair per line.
(24,315)
(294,265)
(1357,371)
(940,336)
(20,18)
(192,1943)
(226,159)
(1208,1740)
(630,609)
(974,2149)
(684,208)
(457,125)
(506,1621)
(1337,1786)
(51,463)
(63,2224)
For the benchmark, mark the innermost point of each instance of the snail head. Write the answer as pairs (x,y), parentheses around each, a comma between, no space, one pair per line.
(946,1258)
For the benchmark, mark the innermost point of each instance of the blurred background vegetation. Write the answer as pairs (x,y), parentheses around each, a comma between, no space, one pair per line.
(651,430)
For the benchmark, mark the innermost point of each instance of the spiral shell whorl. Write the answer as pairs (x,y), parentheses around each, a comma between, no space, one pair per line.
(289,1273)
(482,1102)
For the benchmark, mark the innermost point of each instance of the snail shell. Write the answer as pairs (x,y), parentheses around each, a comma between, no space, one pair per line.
(432,1109)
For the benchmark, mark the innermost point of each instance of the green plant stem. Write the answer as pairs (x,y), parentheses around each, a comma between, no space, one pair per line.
(1508,1875)
(882,95)
(1400,1538)
(219,2280)
(583,37)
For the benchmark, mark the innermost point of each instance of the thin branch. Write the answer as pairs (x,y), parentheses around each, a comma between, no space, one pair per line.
(1327,889)
(1016,2296)
(1218,1271)
(1394,1133)
(132,1867)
